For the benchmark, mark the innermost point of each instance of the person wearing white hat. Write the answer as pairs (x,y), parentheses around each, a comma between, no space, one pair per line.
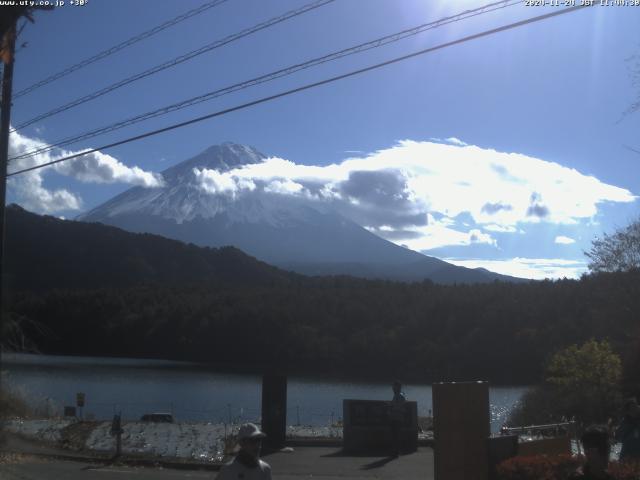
(247,464)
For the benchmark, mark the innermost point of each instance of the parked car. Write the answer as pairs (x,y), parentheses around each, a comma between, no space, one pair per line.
(157,417)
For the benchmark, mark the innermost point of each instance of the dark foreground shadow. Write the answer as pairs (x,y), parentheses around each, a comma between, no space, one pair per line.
(378,463)
(342,453)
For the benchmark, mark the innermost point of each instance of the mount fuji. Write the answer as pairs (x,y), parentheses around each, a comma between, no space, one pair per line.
(290,232)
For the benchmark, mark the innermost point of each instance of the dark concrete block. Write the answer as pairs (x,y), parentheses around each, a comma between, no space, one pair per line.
(367,427)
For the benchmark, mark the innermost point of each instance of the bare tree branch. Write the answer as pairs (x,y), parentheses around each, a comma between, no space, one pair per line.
(617,252)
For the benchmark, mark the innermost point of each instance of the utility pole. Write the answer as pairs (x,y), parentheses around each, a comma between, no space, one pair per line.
(8,50)
(8,22)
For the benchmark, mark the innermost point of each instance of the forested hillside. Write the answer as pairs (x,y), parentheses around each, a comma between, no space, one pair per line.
(43,252)
(146,296)
(423,331)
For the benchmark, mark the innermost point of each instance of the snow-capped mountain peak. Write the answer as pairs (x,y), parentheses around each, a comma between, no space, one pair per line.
(222,158)
(183,198)
(200,205)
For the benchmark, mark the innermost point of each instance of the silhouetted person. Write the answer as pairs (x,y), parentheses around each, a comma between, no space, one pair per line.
(247,464)
(396,417)
(628,433)
(595,442)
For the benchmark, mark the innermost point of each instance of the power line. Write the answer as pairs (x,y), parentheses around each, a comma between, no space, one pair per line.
(20,30)
(310,86)
(272,76)
(178,60)
(116,48)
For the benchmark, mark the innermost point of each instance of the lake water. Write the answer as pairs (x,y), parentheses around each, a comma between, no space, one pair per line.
(135,387)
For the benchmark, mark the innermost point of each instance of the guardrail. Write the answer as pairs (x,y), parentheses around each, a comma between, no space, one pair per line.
(538,428)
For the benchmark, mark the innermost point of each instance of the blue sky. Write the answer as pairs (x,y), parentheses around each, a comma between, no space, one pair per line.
(510,152)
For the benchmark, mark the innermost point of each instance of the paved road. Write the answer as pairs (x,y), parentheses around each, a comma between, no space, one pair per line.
(61,470)
(304,462)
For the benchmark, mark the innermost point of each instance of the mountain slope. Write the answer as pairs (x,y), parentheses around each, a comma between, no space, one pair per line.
(290,232)
(44,252)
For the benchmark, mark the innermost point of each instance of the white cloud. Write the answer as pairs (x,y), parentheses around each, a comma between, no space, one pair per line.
(562,240)
(437,234)
(32,195)
(287,187)
(533,268)
(98,167)
(29,190)
(456,141)
(501,228)
(214,182)
(399,186)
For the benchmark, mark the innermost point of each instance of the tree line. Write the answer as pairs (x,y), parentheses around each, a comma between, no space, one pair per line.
(502,332)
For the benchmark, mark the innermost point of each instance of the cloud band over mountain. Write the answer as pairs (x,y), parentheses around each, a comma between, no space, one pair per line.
(426,195)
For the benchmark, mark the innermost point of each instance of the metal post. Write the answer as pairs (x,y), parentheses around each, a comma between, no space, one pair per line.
(274,410)
(116,429)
